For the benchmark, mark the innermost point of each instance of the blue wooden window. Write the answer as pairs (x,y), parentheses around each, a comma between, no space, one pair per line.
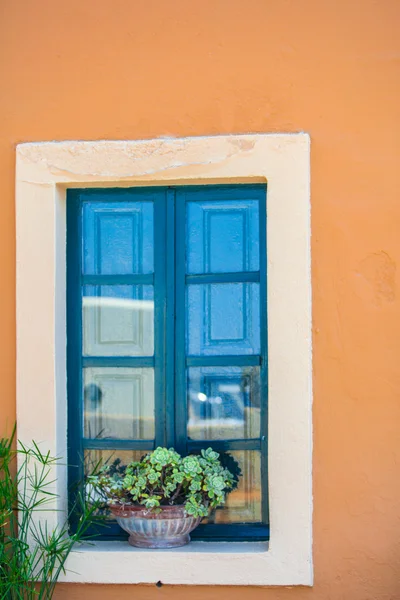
(167,334)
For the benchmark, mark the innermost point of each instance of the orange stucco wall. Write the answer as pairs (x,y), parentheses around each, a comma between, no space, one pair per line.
(126,69)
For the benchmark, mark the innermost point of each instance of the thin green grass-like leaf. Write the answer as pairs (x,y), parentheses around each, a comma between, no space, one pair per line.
(29,571)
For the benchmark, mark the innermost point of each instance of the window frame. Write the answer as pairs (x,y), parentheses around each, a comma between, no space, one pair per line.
(170,282)
(44,170)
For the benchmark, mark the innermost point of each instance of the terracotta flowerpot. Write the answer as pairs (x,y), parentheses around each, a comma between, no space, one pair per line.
(167,529)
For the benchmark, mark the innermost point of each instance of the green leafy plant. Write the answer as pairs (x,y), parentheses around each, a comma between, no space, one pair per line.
(163,477)
(33,555)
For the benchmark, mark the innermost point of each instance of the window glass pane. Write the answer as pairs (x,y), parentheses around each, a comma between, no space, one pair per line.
(223,318)
(118,320)
(93,459)
(107,457)
(222,236)
(243,505)
(118,403)
(118,238)
(223,403)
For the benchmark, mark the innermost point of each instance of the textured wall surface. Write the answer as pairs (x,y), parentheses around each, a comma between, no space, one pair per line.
(130,70)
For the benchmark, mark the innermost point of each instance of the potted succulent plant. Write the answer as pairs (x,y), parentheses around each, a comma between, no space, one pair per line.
(163,497)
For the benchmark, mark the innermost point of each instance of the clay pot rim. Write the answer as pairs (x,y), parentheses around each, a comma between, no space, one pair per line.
(168,511)
(135,507)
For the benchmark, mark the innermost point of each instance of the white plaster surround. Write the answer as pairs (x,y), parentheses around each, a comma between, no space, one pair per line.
(44,172)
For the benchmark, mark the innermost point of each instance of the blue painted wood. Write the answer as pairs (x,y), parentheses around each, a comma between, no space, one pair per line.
(225,445)
(134,362)
(245,276)
(170,320)
(258,312)
(160,283)
(74,350)
(264,357)
(222,235)
(105,444)
(137,279)
(219,192)
(180,325)
(223,319)
(247,191)
(171,281)
(116,194)
(239,532)
(118,237)
(223,361)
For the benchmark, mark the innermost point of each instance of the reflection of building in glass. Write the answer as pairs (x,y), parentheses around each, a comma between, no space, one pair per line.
(118,320)
(123,407)
(126,410)
(93,418)
(244,504)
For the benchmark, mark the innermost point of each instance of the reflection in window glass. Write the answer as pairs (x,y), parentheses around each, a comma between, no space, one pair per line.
(223,403)
(118,403)
(156,331)
(243,505)
(93,459)
(223,237)
(118,238)
(118,320)
(223,318)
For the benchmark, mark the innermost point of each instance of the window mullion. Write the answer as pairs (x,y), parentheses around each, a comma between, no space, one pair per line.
(180,323)
(160,283)
(170,318)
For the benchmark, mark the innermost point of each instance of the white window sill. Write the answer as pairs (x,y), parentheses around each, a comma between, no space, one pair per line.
(199,563)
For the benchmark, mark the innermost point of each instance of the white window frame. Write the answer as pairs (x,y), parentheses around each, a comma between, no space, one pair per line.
(44,172)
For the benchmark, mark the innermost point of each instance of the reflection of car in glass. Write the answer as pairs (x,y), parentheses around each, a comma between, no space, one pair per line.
(223,405)
(220,399)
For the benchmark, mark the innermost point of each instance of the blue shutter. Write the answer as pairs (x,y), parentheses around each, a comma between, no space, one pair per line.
(221,345)
(197,257)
